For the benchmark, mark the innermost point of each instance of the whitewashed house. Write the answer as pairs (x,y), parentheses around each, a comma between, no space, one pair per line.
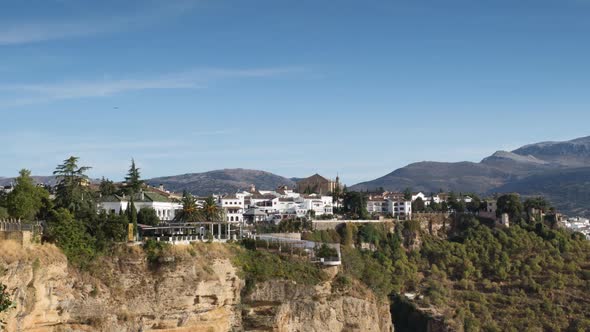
(164,207)
(233,207)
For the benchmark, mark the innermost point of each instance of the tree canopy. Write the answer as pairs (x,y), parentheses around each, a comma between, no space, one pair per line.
(26,200)
(107,187)
(133,180)
(212,211)
(148,216)
(511,205)
(190,212)
(72,189)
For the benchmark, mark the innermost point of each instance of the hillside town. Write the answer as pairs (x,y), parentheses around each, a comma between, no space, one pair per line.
(290,231)
(315,198)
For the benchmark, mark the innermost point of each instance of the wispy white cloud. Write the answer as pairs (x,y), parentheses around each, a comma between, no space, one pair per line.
(20,94)
(23,32)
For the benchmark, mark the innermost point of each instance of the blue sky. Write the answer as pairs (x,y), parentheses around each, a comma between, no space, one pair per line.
(358,88)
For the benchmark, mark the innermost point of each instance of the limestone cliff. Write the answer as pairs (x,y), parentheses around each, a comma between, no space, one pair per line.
(195,289)
(286,306)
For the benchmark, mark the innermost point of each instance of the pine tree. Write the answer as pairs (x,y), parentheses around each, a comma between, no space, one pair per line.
(133,179)
(72,185)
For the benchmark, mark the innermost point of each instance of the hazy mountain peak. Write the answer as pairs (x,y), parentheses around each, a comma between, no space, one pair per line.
(506,155)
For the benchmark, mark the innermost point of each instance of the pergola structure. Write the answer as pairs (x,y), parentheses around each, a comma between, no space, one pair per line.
(186,232)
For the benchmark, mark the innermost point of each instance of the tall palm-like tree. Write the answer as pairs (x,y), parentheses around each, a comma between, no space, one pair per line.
(190,211)
(212,211)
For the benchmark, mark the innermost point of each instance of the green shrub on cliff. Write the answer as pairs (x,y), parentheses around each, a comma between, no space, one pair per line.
(259,266)
(5,302)
(71,236)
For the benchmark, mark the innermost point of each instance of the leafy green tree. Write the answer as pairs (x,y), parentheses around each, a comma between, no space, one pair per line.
(148,216)
(72,189)
(476,204)
(511,205)
(107,187)
(539,203)
(133,179)
(326,252)
(418,205)
(109,228)
(3,213)
(3,197)
(26,200)
(458,206)
(71,236)
(356,204)
(370,234)
(408,194)
(434,206)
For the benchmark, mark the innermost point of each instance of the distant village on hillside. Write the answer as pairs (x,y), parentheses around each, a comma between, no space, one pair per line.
(315,198)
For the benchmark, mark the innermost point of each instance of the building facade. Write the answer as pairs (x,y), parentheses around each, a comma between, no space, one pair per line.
(317,184)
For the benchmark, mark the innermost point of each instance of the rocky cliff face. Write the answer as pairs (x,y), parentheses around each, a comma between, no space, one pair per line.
(195,290)
(285,306)
(123,295)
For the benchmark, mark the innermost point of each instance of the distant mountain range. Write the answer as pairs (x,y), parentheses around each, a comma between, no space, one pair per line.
(221,181)
(51,180)
(557,170)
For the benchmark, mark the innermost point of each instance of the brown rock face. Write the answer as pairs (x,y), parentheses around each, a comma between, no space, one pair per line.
(286,306)
(196,292)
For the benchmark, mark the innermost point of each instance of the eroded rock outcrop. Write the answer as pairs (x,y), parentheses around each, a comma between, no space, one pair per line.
(286,306)
(197,290)
(125,294)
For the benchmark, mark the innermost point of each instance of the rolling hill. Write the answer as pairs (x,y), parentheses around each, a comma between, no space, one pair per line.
(221,181)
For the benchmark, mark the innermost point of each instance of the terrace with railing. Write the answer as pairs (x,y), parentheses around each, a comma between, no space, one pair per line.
(300,247)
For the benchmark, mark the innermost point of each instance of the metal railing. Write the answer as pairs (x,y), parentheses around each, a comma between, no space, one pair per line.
(16,225)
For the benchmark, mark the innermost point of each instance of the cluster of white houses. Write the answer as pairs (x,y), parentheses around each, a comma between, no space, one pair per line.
(245,207)
(274,205)
(270,206)
(396,204)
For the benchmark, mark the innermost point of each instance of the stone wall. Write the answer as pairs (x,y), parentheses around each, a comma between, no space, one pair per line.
(24,238)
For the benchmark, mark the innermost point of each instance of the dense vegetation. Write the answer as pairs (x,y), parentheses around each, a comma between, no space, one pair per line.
(73,222)
(530,276)
(261,265)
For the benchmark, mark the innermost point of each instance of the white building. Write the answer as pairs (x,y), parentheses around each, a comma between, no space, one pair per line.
(400,209)
(378,205)
(233,207)
(276,205)
(397,208)
(164,207)
(421,196)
